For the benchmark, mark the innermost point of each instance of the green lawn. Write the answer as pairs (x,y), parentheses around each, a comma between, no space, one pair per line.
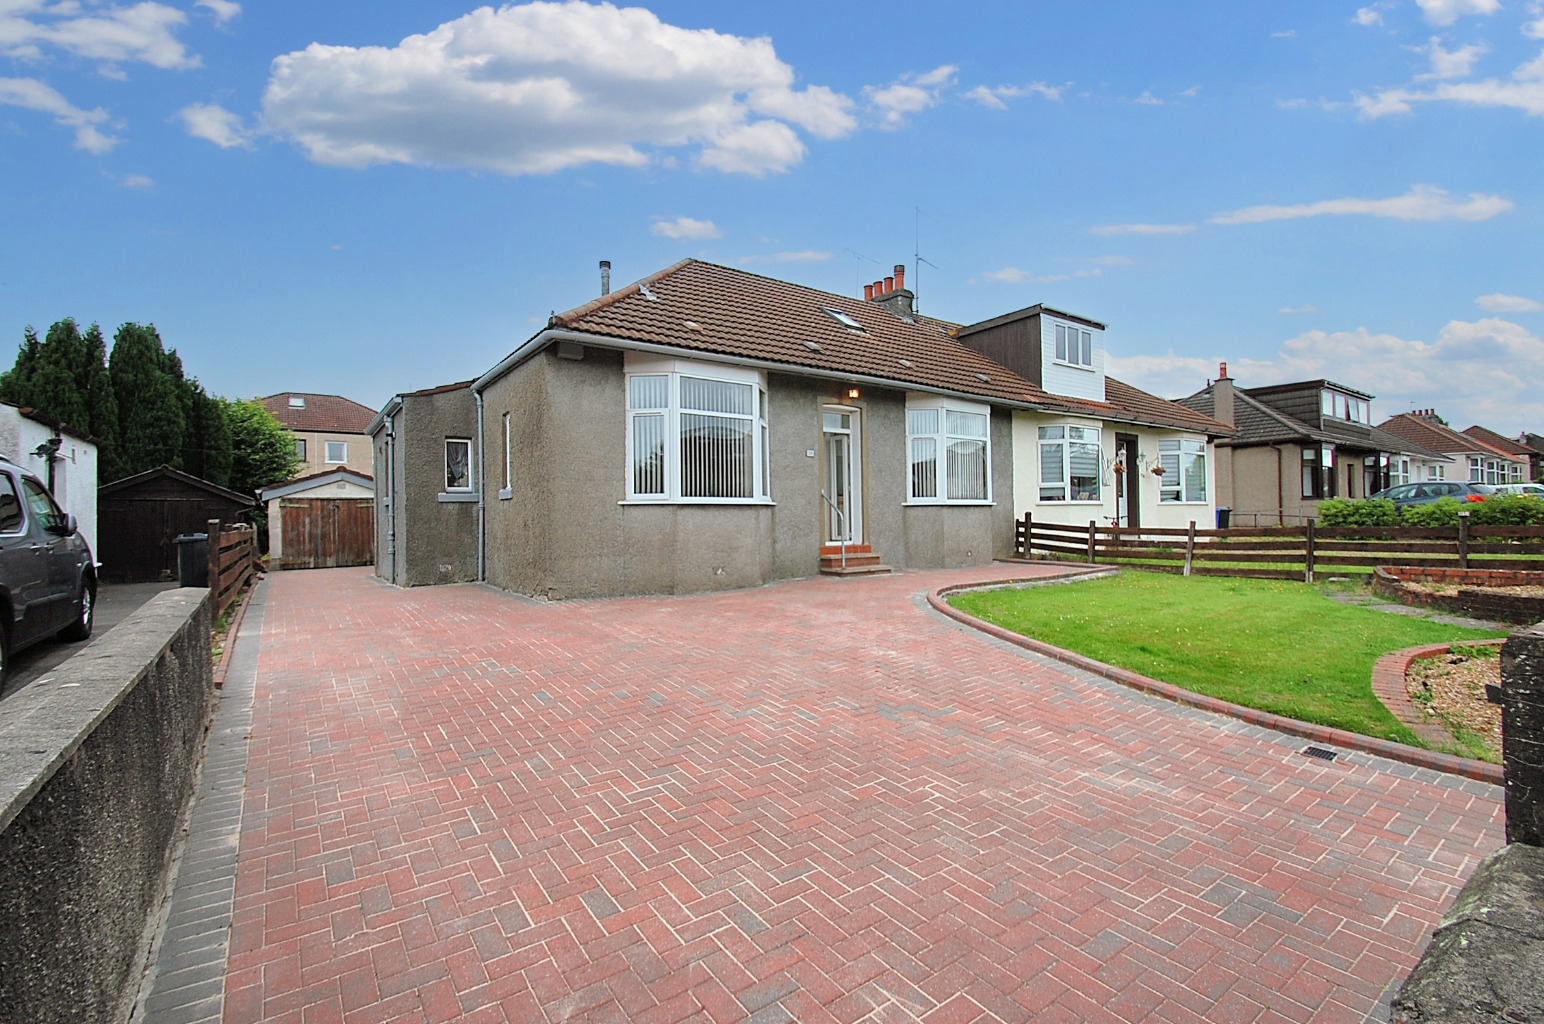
(1278,646)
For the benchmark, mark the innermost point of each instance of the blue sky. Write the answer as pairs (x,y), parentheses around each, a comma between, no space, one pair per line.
(365,198)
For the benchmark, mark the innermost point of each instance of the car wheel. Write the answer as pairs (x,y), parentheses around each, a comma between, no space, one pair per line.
(85,615)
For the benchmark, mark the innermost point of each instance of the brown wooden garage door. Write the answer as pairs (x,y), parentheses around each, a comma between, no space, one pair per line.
(327,533)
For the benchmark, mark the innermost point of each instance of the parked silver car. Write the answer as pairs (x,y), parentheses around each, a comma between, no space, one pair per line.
(47,575)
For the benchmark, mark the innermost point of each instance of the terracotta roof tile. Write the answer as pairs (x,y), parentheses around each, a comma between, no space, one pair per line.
(322,413)
(714,309)
(1435,436)
(1501,443)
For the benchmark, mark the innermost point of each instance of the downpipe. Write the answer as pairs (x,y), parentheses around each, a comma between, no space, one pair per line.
(482,496)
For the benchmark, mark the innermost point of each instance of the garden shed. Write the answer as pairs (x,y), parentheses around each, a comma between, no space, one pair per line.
(141,517)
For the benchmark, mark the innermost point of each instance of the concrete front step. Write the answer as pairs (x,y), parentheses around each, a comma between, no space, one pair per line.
(856,570)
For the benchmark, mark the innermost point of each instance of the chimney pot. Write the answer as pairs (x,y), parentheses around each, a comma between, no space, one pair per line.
(900,275)
(605,277)
(889,284)
(1222,370)
(868,293)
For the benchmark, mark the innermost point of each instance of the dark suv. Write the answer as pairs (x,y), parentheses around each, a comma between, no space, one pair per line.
(47,575)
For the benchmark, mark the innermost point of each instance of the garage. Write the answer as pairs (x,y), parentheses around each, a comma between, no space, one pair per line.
(324,521)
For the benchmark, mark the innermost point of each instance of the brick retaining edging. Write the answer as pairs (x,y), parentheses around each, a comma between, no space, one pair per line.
(1390,580)
(1448,763)
(1388,685)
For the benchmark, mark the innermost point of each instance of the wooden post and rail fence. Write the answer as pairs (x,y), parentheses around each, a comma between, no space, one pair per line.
(232,561)
(1286,552)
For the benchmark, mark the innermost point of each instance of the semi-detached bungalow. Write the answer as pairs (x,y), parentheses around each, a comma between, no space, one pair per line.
(707,428)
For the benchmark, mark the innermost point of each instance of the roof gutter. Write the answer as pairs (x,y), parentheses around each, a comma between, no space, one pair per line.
(381,417)
(553,335)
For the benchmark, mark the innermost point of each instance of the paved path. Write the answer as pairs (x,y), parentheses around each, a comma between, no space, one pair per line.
(814,801)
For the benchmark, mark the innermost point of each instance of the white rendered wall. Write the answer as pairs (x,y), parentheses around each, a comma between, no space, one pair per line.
(75,473)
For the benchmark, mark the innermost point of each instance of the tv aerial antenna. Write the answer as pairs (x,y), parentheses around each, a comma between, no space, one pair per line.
(917,260)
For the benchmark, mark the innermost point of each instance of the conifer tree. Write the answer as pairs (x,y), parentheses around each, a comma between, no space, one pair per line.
(101,404)
(151,420)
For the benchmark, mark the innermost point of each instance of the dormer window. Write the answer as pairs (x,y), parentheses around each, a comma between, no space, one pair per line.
(1345,407)
(1074,346)
(297,401)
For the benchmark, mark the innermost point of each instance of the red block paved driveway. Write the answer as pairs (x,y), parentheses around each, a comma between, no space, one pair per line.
(816,801)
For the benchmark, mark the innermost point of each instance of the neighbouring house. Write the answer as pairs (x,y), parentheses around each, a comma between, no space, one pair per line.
(1523,466)
(144,514)
(1535,445)
(63,458)
(322,521)
(331,432)
(1299,444)
(1478,462)
(707,428)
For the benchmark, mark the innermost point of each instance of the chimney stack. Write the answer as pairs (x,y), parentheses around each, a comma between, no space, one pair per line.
(605,277)
(1222,397)
(891,293)
(900,275)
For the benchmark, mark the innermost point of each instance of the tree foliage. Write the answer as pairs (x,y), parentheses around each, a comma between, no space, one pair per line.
(263,450)
(142,407)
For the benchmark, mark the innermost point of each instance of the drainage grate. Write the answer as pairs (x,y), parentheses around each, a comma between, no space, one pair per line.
(1321,753)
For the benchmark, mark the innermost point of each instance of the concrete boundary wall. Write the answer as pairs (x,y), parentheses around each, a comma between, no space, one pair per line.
(97,765)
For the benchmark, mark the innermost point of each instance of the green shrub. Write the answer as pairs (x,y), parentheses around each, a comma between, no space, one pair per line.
(1442,512)
(1508,510)
(1367,512)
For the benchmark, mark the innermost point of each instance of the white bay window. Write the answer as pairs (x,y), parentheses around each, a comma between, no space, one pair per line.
(696,433)
(958,434)
(1069,463)
(1184,470)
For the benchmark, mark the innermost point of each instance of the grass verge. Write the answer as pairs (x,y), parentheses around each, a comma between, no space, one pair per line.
(1274,645)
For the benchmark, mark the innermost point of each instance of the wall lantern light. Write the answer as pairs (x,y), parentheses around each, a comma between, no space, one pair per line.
(852,392)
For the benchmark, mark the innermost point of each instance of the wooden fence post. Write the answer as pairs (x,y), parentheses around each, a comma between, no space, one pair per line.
(1308,556)
(213,527)
(1463,539)
(1092,554)
(1190,547)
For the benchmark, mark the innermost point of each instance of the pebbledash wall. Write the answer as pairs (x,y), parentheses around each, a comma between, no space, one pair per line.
(441,546)
(563,528)
(97,768)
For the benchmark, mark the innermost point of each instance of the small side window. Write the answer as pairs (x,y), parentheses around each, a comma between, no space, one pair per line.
(458,464)
(11,519)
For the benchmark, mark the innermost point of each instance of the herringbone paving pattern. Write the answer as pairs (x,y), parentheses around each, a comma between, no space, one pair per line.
(816,801)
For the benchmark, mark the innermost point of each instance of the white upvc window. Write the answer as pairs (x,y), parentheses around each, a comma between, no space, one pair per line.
(1184,470)
(1399,471)
(697,433)
(458,464)
(1074,345)
(337,451)
(1070,462)
(948,451)
(1516,473)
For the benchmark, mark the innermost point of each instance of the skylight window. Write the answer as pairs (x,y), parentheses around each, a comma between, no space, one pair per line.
(297,402)
(843,319)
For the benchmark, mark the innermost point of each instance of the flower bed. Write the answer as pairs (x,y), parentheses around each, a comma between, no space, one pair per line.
(1500,595)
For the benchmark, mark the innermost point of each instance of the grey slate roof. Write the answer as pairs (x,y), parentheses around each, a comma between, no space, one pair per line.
(1259,424)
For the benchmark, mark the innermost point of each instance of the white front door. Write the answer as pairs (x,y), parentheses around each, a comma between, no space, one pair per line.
(844,476)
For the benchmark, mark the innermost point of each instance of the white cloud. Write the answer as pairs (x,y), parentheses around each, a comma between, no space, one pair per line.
(686,227)
(1148,99)
(31,94)
(1192,92)
(909,94)
(1371,14)
(1535,28)
(1524,91)
(216,124)
(137,181)
(1290,310)
(1445,12)
(223,10)
(1449,63)
(1109,230)
(144,32)
(1499,303)
(1013,275)
(989,96)
(1290,33)
(1483,372)
(539,87)
(801,256)
(1422,202)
